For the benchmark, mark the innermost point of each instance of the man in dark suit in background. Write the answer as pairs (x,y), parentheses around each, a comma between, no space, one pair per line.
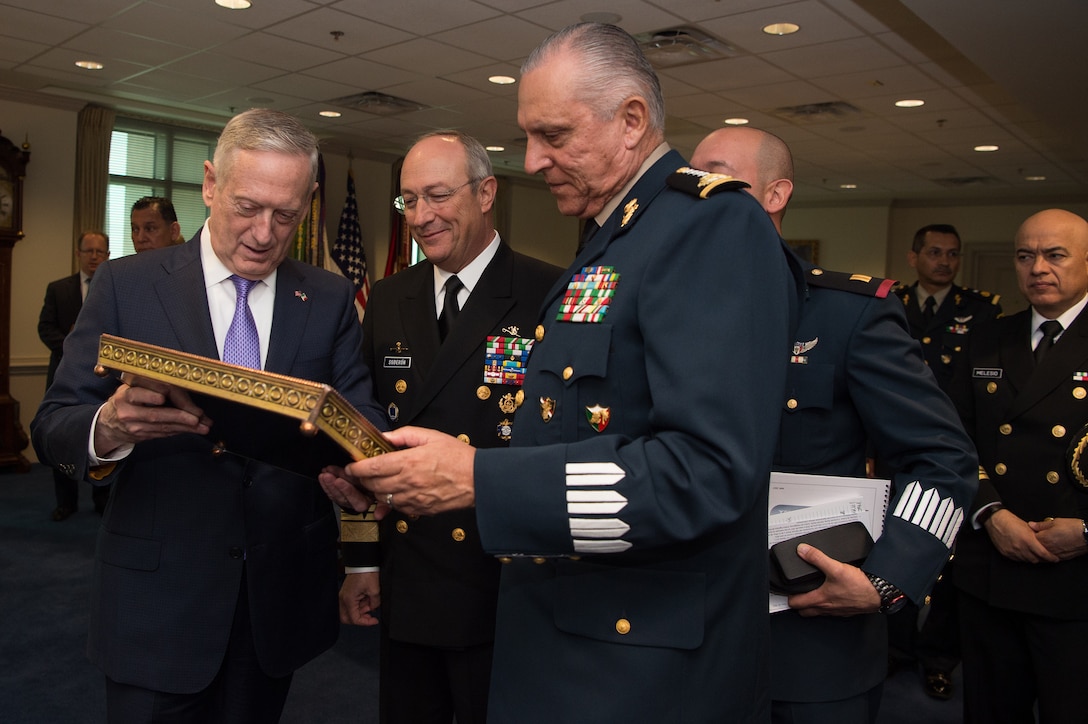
(631,506)
(216,565)
(1021,567)
(438,587)
(855,377)
(63,299)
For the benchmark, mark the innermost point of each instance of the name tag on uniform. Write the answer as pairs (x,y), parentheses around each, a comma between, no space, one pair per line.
(397,363)
(988,373)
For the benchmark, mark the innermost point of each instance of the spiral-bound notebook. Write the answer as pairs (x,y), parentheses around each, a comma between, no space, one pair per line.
(799,503)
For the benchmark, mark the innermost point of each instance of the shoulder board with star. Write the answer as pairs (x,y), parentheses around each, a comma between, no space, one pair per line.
(987,297)
(702,183)
(855,283)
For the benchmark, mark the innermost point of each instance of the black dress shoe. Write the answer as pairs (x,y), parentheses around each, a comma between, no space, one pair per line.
(938,684)
(63,512)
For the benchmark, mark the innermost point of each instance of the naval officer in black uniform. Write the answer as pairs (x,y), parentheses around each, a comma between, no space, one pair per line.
(1021,567)
(447,340)
(855,375)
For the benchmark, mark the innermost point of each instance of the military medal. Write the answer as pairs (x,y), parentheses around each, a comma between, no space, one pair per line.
(598,417)
(1080,376)
(588,295)
(505,360)
(547,409)
(393,411)
(504,429)
(799,348)
(507,404)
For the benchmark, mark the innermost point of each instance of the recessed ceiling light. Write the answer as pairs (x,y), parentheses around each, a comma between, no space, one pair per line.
(781,28)
(502,79)
(329,114)
(1035,178)
(848,186)
(89,65)
(986,149)
(496,149)
(735,121)
(233,4)
(909,103)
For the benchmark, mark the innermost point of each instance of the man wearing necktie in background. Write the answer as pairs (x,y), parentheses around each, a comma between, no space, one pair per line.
(1021,567)
(215,575)
(63,300)
(461,376)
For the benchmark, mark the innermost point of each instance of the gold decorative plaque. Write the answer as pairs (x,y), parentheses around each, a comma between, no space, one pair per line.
(317,405)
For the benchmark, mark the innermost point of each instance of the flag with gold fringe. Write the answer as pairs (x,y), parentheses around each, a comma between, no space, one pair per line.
(400,240)
(310,240)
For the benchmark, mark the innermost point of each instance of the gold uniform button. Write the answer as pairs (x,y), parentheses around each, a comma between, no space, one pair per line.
(926,340)
(623,627)
(400,386)
(539,334)
(1001,468)
(505,560)
(1057,431)
(1052,477)
(991,387)
(1005,429)
(926,603)
(540,561)
(791,404)
(1079,393)
(568,372)
(458,534)
(463,438)
(402,526)
(483,392)
(519,398)
(817,272)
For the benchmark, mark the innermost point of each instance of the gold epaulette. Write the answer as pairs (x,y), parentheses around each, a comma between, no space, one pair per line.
(702,183)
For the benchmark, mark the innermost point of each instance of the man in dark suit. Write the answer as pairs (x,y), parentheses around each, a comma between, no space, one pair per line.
(630,509)
(1021,567)
(216,566)
(438,587)
(63,300)
(855,378)
(941,315)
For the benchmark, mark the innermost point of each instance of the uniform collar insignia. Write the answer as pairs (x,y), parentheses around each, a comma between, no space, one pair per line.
(628,211)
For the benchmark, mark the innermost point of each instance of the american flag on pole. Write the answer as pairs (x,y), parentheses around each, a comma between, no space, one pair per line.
(347,250)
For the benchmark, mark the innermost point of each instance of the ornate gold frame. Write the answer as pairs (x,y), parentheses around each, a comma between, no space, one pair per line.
(317,405)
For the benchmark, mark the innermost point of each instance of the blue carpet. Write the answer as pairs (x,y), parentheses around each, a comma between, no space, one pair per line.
(46,569)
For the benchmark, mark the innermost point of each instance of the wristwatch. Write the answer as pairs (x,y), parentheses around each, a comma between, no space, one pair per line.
(891,598)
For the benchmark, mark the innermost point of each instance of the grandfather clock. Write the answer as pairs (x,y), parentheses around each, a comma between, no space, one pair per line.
(13,161)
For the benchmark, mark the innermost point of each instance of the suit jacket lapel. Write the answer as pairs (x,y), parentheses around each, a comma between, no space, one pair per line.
(1067,355)
(290,316)
(185,301)
(420,326)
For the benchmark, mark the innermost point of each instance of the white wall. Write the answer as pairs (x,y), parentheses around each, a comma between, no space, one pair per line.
(851,238)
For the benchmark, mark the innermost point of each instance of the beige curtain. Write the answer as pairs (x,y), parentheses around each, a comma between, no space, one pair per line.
(95,125)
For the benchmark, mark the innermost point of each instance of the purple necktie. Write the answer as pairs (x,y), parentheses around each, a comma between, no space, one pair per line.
(242,345)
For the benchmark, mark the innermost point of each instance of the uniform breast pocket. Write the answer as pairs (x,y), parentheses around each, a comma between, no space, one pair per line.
(574,352)
(810,395)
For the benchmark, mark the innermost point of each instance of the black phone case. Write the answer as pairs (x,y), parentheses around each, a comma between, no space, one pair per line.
(849,543)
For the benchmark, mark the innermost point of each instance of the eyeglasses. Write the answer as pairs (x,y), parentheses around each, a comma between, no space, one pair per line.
(435,199)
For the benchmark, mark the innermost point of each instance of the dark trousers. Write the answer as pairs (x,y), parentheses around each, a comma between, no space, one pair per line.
(241,693)
(1013,661)
(67,492)
(430,685)
(860,709)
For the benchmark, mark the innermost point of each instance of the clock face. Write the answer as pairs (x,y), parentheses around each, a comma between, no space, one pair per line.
(7,205)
